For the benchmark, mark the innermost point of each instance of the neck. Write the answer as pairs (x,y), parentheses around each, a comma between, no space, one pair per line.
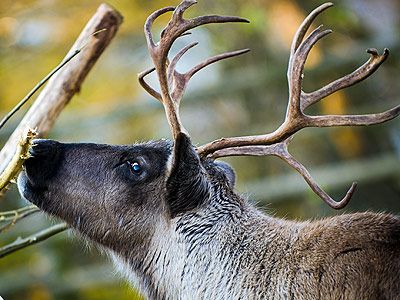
(204,255)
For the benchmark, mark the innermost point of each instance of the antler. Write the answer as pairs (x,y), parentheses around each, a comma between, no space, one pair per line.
(276,143)
(172,83)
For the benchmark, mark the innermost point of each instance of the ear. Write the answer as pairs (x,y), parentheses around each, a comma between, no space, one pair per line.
(187,185)
(228,172)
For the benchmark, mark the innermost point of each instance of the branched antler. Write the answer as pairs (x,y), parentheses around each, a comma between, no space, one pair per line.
(276,143)
(281,150)
(172,83)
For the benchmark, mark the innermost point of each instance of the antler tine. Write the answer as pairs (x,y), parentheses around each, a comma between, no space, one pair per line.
(280,150)
(178,13)
(203,20)
(146,86)
(215,59)
(358,75)
(180,81)
(185,25)
(353,120)
(314,185)
(177,57)
(149,23)
(172,83)
(297,66)
(301,32)
(178,25)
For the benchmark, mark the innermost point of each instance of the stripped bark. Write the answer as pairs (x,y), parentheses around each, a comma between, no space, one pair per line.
(67,82)
(54,97)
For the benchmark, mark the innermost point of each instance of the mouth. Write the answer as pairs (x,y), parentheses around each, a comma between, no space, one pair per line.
(22,183)
(29,191)
(38,170)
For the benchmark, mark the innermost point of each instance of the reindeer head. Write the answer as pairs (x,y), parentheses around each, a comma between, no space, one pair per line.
(118,195)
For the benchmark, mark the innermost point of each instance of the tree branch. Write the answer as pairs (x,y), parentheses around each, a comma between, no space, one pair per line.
(67,82)
(35,238)
(10,218)
(92,41)
(21,154)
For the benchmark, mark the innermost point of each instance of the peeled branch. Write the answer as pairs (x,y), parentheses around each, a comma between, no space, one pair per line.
(21,154)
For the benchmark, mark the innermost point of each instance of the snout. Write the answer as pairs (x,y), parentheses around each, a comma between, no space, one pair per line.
(41,165)
(43,148)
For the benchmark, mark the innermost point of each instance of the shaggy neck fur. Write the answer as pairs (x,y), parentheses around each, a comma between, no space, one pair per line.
(230,250)
(209,254)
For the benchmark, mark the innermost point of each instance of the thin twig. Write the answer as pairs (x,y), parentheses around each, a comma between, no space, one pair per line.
(10,218)
(12,213)
(60,89)
(43,81)
(35,238)
(13,168)
(36,88)
(53,98)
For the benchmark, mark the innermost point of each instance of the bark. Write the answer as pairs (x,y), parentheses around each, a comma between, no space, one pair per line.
(54,97)
(67,82)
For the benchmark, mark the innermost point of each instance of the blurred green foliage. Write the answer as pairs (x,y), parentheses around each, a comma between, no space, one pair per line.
(246,95)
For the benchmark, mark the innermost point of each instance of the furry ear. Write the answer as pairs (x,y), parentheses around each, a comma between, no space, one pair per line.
(187,185)
(228,172)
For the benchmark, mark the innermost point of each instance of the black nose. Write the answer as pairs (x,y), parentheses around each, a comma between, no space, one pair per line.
(43,148)
(41,165)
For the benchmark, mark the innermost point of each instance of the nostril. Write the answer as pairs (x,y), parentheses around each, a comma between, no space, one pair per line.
(43,147)
(41,165)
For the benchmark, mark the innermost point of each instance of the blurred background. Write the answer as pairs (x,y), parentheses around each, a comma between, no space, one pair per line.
(244,95)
